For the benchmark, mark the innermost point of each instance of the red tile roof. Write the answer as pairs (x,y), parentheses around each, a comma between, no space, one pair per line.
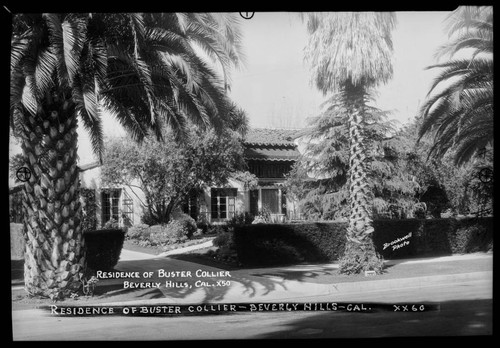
(271,144)
(270,136)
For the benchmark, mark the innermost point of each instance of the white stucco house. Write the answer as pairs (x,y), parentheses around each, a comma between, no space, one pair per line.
(270,154)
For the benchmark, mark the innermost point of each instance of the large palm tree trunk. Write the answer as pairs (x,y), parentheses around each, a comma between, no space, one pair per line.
(360,254)
(54,258)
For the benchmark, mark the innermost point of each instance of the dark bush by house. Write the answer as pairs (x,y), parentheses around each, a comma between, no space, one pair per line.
(275,244)
(103,248)
(432,237)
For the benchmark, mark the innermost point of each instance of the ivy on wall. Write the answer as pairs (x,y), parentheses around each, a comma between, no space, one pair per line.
(89,209)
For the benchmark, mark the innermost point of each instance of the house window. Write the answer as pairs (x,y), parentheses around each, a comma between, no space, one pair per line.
(110,204)
(127,210)
(223,203)
(190,206)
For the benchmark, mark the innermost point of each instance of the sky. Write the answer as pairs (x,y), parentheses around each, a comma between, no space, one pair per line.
(275,90)
(274,86)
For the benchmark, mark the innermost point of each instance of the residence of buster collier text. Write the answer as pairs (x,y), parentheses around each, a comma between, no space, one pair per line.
(177,279)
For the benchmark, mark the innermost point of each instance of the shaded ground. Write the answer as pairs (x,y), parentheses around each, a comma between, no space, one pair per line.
(250,281)
(463,318)
(327,273)
(454,318)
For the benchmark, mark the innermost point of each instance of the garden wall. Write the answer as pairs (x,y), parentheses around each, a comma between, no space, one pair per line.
(16,241)
(103,247)
(275,244)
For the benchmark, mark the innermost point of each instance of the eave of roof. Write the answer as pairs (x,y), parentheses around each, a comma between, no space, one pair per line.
(271,154)
(271,137)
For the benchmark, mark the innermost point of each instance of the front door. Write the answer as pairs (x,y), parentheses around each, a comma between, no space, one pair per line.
(270,201)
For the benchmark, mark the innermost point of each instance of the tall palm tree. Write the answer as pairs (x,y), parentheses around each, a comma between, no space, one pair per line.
(458,112)
(68,68)
(350,54)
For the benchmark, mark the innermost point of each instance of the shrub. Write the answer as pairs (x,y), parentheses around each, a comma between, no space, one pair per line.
(224,238)
(432,237)
(162,235)
(176,231)
(243,218)
(224,242)
(275,244)
(217,229)
(111,224)
(138,232)
(395,239)
(187,223)
(103,248)
(148,219)
(473,235)
(203,226)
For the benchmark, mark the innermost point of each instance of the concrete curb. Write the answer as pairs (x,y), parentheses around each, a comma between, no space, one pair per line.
(186,249)
(296,290)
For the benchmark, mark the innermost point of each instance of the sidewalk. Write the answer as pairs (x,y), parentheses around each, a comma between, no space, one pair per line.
(303,282)
(195,281)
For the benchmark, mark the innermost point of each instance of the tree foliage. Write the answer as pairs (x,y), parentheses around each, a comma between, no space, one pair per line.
(168,171)
(350,54)
(462,185)
(350,46)
(146,69)
(142,67)
(458,111)
(325,159)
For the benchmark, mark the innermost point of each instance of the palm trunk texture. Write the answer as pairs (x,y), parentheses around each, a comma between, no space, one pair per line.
(360,254)
(55,255)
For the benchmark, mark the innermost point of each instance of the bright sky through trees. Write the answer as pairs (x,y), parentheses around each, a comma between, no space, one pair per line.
(275,88)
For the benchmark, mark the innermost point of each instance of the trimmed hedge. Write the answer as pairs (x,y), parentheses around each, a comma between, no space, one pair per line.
(103,248)
(432,237)
(279,244)
(274,244)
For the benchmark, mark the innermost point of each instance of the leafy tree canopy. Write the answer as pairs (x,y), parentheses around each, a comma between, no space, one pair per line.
(166,171)
(326,159)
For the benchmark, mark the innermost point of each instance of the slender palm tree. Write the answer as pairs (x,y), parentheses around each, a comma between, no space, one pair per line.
(350,54)
(68,68)
(458,112)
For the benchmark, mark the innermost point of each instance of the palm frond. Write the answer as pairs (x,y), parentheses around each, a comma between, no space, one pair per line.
(20,45)
(216,35)
(468,17)
(125,115)
(73,38)
(468,41)
(467,69)
(56,40)
(94,126)
(44,71)
(29,95)
(17,82)
(354,46)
